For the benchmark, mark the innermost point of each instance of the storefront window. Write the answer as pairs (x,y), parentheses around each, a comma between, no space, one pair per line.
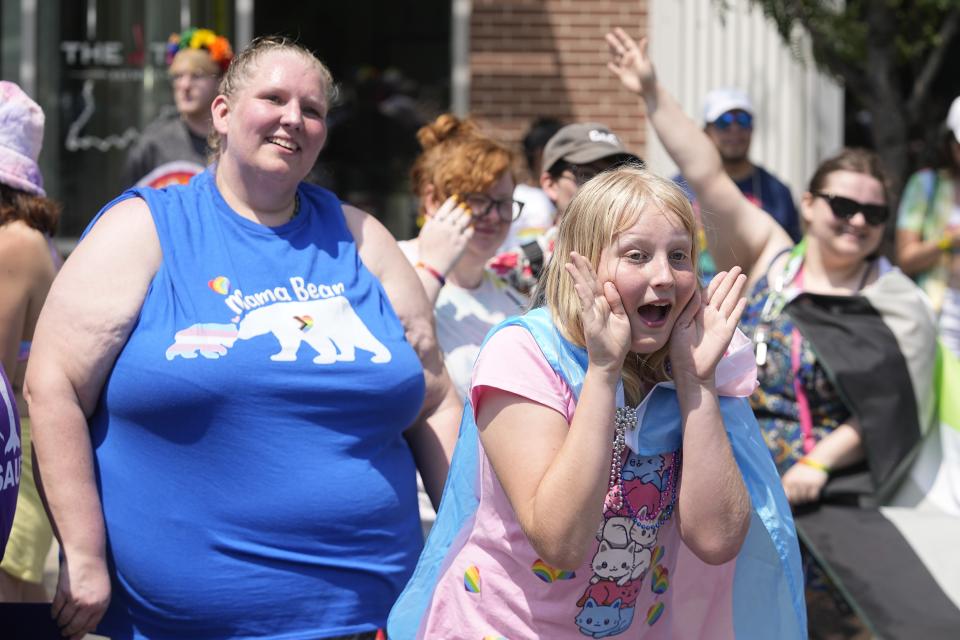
(97,68)
(101,78)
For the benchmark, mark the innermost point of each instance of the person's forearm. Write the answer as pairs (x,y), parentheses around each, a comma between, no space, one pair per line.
(431,284)
(713,504)
(433,435)
(841,448)
(64,471)
(917,257)
(568,505)
(433,438)
(688,146)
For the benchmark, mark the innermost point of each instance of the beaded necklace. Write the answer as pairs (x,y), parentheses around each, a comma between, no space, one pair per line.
(626,418)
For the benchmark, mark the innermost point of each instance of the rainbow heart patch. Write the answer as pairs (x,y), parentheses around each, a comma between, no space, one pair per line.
(657,554)
(220,284)
(548,574)
(471,579)
(659,579)
(654,613)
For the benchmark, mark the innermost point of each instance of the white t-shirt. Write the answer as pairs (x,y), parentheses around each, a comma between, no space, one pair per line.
(465,316)
(536,217)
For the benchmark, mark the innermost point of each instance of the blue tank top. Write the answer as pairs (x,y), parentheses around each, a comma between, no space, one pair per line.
(249,440)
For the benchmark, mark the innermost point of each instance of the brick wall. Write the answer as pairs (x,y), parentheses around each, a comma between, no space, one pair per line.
(531,58)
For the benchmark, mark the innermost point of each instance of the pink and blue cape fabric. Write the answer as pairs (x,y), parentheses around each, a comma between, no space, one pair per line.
(758,595)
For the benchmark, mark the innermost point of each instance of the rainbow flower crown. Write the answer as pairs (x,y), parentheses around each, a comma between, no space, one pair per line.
(217,46)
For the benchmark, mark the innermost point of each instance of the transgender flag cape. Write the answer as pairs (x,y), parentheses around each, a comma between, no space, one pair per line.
(757,595)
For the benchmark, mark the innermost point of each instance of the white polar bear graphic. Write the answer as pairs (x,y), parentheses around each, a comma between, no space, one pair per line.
(330,326)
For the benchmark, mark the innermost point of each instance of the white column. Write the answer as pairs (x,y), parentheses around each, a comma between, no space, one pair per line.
(244,24)
(460,57)
(28,47)
(799,111)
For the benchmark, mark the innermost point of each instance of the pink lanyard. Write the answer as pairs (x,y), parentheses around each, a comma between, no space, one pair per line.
(803,404)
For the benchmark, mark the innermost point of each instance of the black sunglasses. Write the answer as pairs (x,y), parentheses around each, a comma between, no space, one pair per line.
(845,208)
(742,118)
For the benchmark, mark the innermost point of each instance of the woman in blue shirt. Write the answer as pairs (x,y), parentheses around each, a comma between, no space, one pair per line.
(229,424)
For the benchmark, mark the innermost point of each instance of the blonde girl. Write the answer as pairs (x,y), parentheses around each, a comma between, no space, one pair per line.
(570,511)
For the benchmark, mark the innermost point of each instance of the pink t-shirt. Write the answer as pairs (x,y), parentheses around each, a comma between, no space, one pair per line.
(496,586)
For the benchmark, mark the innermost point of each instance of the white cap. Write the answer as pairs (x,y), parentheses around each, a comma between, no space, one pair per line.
(953,118)
(719,101)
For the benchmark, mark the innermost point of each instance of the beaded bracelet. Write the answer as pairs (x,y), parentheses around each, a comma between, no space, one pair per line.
(436,274)
(814,464)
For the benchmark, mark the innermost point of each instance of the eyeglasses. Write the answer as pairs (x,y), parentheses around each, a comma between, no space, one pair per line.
(480,204)
(743,119)
(845,208)
(580,175)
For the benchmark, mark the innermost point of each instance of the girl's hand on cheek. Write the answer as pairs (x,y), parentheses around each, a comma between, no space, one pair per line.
(704,329)
(606,327)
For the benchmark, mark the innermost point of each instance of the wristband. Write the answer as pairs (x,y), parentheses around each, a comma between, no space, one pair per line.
(945,244)
(809,462)
(436,274)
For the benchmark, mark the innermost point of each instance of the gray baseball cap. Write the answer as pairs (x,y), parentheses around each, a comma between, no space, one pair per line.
(584,143)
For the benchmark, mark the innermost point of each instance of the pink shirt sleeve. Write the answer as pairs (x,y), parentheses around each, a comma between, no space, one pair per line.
(512,361)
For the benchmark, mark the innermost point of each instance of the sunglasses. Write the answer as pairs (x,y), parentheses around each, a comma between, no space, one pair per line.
(743,119)
(845,208)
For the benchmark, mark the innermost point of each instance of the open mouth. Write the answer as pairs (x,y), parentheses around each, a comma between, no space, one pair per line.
(289,145)
(654,314)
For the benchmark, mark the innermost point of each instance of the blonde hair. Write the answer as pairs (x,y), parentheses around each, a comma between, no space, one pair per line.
(457,158)
(605,207)
(241,69)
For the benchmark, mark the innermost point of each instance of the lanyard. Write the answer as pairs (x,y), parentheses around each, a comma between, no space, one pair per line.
(792,273)
(777,300)
(804,415)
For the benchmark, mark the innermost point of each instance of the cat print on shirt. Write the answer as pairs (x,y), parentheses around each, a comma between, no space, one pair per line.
(627,551)
(624,552)
(646,470)
(600,621)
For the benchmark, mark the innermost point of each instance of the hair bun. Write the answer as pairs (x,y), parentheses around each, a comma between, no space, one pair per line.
(445,127)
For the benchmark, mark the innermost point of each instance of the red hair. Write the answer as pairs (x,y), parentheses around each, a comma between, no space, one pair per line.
(457,158)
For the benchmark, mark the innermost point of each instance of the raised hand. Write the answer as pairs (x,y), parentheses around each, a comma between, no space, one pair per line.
(630,62)
(606,328)
(445,234)
(704,329)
